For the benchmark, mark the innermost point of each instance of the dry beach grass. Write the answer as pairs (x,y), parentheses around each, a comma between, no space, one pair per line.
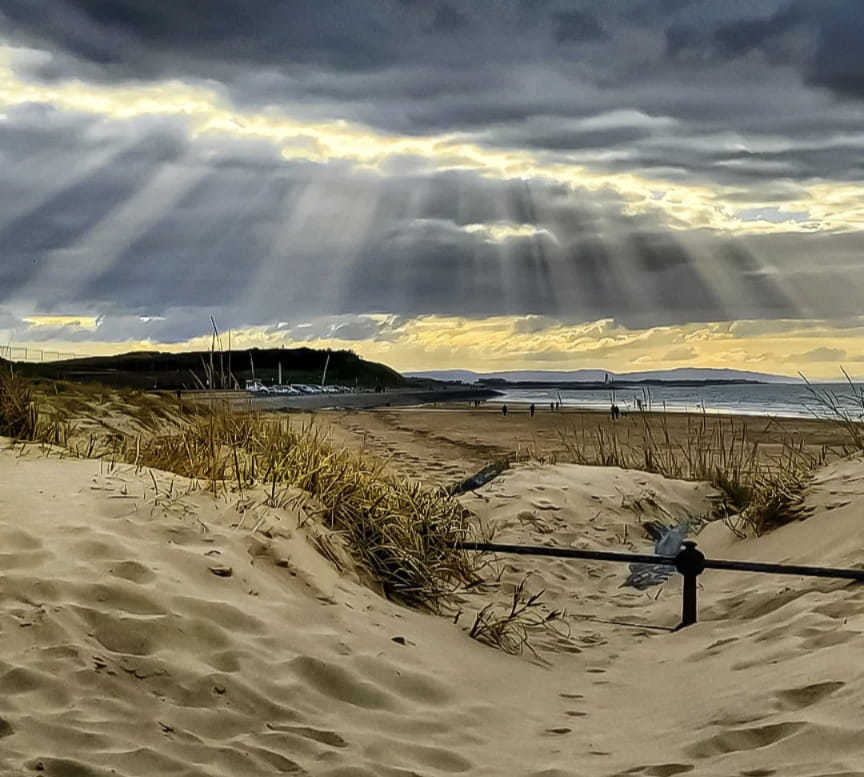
(400,532)
(202,597)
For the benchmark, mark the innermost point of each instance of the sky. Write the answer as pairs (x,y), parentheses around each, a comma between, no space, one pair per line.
(484,184)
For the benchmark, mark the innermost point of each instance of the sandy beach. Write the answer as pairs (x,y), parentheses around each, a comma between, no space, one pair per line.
(419,389)
(435,442)
(150,628)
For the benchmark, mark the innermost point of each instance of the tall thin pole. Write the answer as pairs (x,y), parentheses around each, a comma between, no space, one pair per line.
(326,364)
(210,380)
(217,339)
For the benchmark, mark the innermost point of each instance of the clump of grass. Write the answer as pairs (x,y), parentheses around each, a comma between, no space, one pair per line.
(847,410)
(775,499)
(19,412)
(759,492)
(24,417)
(512,627)
(401,533)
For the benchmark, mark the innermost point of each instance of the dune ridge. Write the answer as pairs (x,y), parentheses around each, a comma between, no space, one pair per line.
(146,629)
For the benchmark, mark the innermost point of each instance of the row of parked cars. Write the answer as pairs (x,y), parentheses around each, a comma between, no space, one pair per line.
(294,389)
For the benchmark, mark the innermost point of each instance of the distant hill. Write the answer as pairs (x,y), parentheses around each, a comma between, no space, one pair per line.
(154,369)
(598,376)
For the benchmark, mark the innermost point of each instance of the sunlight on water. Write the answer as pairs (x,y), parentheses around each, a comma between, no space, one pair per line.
(782,400)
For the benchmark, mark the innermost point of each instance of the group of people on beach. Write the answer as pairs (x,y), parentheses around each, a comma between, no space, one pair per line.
(532,408)
(614,411)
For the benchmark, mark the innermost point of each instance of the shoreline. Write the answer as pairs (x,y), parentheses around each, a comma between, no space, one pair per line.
(669,409)
(493,407)
(491,402)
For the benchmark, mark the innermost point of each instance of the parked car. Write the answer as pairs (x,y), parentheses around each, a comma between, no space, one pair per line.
(256,387)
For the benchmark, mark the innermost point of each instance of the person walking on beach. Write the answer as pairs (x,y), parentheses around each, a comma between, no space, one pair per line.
(503,409)
(531,410)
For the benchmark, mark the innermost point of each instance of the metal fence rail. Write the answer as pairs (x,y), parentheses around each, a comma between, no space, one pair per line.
(690,563)
(29,353)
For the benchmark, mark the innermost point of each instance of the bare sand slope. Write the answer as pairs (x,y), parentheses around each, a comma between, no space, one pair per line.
(569,505)
(144,632)
(769,682)
(126,649)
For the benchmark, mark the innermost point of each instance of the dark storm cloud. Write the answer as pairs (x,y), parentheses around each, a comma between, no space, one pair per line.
(497,68)
(576,27)
(448,20)
(735,38)
(838,64)
(822,39)
(759,96)
(250,238)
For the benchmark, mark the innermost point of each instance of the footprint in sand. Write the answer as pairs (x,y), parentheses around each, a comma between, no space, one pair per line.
(133,571)
(841,609)
(830,638)
(330,738)
(662,770)
(743,739)
(544,504)
(337,683)
(798,698)
(837,504)
(551,773)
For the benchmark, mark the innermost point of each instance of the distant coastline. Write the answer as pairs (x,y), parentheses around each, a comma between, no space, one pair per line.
(501,384)
(703,376)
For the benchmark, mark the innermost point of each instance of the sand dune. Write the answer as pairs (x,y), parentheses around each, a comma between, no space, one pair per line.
(150,629)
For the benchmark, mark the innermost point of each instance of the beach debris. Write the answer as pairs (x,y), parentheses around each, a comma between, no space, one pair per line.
(221,571)
(481,478)
(668,541)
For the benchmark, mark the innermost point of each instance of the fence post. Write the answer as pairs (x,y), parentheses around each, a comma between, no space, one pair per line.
(690,562)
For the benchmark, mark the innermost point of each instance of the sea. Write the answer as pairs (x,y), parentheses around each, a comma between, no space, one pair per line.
(786,400)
